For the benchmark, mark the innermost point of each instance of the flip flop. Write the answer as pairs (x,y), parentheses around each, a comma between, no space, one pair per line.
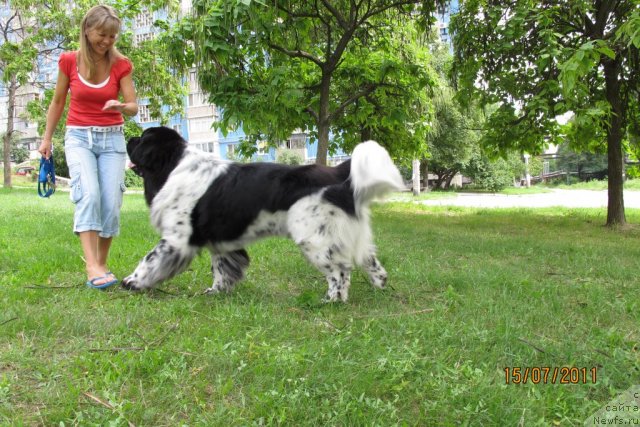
(91,283)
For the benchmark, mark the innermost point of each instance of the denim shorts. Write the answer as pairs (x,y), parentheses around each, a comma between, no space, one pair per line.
(96,157)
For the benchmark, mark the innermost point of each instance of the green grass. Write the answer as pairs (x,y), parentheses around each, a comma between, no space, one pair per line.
(631,184)
(23,181)
(472,292)
(407,196)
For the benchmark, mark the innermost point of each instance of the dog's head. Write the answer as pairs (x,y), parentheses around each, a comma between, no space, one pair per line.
(155,148)
(155,154)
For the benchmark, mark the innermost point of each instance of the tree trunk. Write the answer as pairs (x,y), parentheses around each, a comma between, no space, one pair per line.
(365,134)
(449,179)
(615,208)
(416,177)
(323,143)
(439,180)
(13,85)
(323,120)
(424,172)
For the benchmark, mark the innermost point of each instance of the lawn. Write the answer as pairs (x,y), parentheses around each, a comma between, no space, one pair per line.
(630,184)
(473,292)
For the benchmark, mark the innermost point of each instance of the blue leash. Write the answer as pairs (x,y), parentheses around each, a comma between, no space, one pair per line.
(47,177)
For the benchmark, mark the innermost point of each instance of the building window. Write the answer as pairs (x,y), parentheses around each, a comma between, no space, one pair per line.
(143,114)
(142,37)
(144,19)
(297,141)
(197,99)
(200,125)
(262,147)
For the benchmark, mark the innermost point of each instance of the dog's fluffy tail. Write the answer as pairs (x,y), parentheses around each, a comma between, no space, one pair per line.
(373,173)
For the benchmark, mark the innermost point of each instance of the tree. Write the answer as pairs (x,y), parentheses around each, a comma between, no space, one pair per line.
(18,153)
(317,65)
(28,33)
(454,140)
(33,31)
(14,69)
(454,135)
(541,59)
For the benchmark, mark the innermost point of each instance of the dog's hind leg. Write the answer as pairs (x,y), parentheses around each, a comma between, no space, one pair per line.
(334,264)
(374,269)
(339,280)
(163,262)
(228,269)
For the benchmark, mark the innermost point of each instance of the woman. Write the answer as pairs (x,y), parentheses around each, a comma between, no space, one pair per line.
(94,142)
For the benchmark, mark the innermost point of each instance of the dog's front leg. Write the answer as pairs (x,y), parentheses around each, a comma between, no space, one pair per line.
(163,262)
(227,269)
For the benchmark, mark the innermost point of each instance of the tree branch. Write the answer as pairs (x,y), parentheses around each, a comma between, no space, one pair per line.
(603,10)
(366,90)
(379,10)
(297,54)
(7,28)
(312,113)
(336,13)
(298,15)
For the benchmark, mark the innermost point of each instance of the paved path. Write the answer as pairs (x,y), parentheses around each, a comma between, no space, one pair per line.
(565,198)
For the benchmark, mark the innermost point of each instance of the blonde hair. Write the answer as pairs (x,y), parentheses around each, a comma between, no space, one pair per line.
(101,17)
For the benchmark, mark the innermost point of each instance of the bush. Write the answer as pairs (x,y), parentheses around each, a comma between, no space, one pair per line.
(494,175)
(132,180)
(289,157)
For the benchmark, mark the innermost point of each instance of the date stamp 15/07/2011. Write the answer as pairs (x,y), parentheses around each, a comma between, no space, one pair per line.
(550,375)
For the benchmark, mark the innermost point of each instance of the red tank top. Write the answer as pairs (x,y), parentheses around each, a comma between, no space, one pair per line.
(87,99)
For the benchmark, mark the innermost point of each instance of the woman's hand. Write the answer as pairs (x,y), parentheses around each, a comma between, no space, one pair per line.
(45,149)
(113,105)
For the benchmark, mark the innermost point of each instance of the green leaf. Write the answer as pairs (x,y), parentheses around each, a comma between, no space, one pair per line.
(607,51)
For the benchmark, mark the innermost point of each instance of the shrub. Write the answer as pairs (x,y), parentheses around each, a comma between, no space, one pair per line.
(131,179)
(633,172)
(494,175)
(289,157)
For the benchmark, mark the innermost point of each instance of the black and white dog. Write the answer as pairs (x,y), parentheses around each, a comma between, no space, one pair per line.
(199,201)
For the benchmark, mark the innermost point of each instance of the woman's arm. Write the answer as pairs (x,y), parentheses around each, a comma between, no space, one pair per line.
(128,91)
(56,108)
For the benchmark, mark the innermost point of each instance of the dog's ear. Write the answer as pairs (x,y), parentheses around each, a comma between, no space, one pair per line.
(132,143)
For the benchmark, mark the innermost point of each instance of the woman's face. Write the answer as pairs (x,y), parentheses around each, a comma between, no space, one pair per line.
(101,40)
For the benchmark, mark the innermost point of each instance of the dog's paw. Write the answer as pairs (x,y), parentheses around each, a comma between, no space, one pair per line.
(220,287)
(215,290)
(340,296)
(378,280)
(130,283)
